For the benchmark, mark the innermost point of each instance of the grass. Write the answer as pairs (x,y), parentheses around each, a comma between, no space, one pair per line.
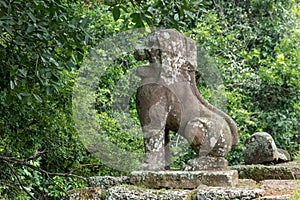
(297,194)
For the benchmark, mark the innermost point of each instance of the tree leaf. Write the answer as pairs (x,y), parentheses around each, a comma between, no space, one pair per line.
(137,19)
(37,97)
(23,72)
(3,3)
(8,29)
(148,21)
(52,60)
(116,13)
(12,85)
(31,17)
(30,28)
(176,17)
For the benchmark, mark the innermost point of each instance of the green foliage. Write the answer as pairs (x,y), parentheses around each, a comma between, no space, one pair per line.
(256,47)
(297,194)
(181,152)
(40,43)
(49,129)
(38,40)
(116,111)
(158,13)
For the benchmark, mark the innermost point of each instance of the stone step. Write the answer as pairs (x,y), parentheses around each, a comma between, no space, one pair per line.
(284,171)
(193,184)
(246,189)
(184,179)
(138,193)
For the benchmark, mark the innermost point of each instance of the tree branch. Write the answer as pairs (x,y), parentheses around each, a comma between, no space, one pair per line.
(24,162)
(19,181)
(36,155)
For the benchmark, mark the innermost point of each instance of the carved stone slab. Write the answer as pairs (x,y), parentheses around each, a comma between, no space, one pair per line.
(184,179)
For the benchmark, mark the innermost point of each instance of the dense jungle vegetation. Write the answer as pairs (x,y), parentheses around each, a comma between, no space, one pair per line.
(252,48)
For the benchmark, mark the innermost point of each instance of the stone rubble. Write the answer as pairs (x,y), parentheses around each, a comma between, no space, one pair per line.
(260,148)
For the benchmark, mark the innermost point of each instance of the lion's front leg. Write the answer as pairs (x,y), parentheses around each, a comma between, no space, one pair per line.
(154,138)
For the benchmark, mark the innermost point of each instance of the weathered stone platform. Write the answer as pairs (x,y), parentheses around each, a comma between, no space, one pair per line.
(254,185)
(118,188)
(184,179)
(138,193)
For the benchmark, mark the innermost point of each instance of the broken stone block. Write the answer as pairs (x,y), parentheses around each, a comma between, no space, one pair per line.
(260,148)
(184,179)
(283,171)
(283,155)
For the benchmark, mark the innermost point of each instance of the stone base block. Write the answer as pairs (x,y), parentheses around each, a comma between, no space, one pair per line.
(284,171)
(184,179)
(206,163)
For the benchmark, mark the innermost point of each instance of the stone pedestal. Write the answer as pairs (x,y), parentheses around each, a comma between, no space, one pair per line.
(184,179)
(206,163)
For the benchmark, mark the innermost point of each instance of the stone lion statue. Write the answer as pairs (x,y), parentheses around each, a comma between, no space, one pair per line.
(168,99)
